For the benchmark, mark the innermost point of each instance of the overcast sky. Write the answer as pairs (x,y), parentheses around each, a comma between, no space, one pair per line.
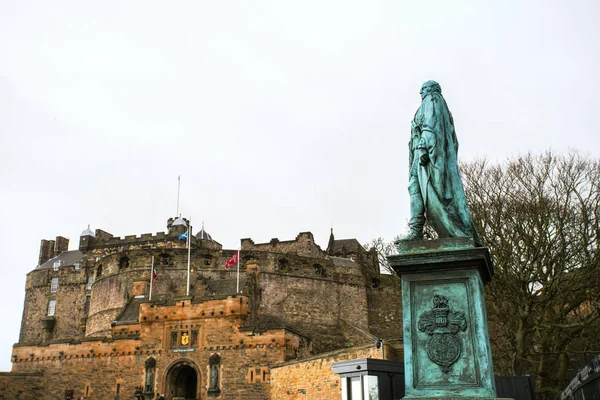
(279,116)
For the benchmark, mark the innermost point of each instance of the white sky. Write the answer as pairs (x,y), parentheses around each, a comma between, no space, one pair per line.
(280,116)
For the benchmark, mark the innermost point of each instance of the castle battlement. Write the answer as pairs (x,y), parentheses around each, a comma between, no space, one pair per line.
(129,239)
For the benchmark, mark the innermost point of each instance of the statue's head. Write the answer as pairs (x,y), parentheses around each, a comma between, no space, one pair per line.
(430,87)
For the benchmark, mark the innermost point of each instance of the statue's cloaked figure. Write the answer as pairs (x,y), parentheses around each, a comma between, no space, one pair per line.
(435,188)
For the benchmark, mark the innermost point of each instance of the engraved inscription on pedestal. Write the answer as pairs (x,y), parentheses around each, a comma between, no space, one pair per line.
(442,324)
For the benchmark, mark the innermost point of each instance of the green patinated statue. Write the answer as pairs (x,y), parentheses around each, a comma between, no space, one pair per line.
(435,188)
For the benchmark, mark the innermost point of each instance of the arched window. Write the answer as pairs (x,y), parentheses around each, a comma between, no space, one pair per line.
(150,370)
(123,262)
(99,271)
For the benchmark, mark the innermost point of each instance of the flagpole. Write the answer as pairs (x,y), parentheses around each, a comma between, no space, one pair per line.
(189,248)
(178,189)
(238,271)
(151,278)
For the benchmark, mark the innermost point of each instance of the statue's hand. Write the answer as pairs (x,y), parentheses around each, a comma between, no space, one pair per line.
(424,159)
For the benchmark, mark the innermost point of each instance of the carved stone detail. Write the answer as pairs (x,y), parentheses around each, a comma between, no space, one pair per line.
(442,324)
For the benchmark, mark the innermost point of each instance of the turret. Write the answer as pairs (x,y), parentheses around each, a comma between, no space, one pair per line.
(86,239)
(331,243)
(177,226)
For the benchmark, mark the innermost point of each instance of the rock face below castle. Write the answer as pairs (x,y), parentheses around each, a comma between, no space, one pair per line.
(92,327)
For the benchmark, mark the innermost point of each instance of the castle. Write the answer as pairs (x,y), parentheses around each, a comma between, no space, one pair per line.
(96,325)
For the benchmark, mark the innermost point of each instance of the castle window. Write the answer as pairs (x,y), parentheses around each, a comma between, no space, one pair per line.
(77,266)
(164,259)
(118,390)
(51,308)
(282,265)
(194,338)
(99,271)
(123,262)
(319,270)
(54,285)
(174,339)
(57,265)
(90,282)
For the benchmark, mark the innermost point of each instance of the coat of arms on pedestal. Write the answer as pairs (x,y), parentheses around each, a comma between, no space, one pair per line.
(442,324)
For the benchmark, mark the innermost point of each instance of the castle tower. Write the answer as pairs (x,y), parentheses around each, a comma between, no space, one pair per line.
(177,226)
(86,239)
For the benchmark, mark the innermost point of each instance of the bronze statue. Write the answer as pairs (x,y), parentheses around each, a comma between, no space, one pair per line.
(435,188)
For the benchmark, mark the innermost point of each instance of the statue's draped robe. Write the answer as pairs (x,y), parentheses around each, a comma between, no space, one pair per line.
(441,189)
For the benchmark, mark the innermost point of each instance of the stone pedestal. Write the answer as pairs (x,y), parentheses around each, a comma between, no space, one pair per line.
(447,351)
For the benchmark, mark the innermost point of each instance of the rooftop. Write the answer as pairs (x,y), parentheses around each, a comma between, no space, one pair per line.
(66,258)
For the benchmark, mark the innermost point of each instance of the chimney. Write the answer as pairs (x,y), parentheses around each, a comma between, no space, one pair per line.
(61,244)
(46,251)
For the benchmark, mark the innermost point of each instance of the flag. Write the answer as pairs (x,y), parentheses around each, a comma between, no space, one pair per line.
(154,274)
(231,261)
(183,236)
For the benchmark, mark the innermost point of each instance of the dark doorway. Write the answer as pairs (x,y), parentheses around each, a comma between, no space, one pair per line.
(182,382)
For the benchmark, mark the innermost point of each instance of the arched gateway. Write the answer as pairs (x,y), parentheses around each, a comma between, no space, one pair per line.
(182,381)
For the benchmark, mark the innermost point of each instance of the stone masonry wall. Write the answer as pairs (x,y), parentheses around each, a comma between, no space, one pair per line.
(70,304)
(245,373)
(109,296)
(110,292)
(385,307)
(313,378)
(313,307)
(303,245)
(21,386)
(98,368)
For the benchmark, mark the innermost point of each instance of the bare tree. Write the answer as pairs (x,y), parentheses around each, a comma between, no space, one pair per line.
(539,215)
(384,249)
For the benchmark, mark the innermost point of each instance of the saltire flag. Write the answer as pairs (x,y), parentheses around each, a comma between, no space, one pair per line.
(183,236)
(232,260)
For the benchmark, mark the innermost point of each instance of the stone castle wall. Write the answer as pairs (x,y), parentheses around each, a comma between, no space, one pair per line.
(21,385)
(245,374)
(313,378)
(297,300)
(303,245)
(384,299)
(311,294)
(98,368)
(70,304)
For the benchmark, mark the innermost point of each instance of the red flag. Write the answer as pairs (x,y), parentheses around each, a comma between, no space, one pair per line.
(231,261)
(154,274)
